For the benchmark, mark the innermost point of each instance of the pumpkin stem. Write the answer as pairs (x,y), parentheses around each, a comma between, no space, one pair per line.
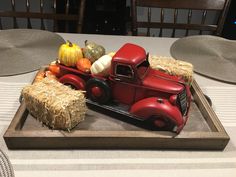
(70,44)
(86,41)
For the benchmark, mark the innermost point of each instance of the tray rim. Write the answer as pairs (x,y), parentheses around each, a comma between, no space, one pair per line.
(217,139)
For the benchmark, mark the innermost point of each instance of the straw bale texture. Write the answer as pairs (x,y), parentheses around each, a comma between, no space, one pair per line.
(172,66)
(55,104)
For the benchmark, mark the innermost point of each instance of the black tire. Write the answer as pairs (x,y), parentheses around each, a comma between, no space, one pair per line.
(161,123)
(106,91)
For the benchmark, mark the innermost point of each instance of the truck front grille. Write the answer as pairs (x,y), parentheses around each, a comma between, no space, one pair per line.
(182,102)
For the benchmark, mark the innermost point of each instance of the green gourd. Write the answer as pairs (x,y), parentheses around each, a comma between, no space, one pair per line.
(93,51)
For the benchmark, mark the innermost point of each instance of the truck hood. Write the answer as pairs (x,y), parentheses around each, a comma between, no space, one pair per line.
(159,81)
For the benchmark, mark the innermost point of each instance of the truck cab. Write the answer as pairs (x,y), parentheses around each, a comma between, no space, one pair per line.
(133,79)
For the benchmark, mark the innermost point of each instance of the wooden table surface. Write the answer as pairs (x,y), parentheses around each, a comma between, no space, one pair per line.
(114,163)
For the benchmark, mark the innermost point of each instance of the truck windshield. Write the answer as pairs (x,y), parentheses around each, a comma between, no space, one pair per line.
(142,69)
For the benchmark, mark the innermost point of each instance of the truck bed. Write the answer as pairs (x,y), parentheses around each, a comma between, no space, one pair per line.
(72,70)
(67,69)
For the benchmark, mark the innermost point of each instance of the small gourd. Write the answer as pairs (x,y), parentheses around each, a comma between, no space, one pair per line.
(69,54)
(93,51)
(101,66)
(83,64)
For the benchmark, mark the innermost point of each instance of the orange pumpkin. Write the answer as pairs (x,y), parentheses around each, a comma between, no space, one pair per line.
(55,69)
(40,76)
(83,64)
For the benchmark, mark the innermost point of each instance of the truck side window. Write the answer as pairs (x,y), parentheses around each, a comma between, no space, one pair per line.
(124,71)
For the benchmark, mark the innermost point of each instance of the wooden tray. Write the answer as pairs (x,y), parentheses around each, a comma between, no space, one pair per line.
(112,131)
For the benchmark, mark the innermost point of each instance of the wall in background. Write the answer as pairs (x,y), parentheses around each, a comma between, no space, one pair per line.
(105,17)
(169,17)
(142,15)
(20,6)
(229,30)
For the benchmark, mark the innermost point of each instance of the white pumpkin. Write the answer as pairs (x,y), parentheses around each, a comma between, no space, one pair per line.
(102,65)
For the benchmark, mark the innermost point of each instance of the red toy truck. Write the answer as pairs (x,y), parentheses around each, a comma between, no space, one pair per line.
(145,93)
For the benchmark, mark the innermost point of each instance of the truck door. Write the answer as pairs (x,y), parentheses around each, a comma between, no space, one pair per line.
(123,84)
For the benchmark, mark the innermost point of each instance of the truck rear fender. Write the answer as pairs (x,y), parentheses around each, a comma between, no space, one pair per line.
(152,106)
(73,80)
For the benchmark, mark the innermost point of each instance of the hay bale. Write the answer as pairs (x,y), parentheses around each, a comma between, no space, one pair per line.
(55,104)
(172,66)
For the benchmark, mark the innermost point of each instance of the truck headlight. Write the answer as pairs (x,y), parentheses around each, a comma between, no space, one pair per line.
(173,99)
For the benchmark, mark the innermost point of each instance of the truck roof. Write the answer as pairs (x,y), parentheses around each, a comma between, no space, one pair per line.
(130,54)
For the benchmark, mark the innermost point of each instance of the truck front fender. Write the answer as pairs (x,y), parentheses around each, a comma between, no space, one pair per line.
(73,80)
(154,106)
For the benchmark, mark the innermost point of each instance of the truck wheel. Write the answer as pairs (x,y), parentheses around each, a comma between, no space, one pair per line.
(98,90)
(161,123)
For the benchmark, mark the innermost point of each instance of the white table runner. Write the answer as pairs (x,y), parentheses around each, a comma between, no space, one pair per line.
(9,100)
